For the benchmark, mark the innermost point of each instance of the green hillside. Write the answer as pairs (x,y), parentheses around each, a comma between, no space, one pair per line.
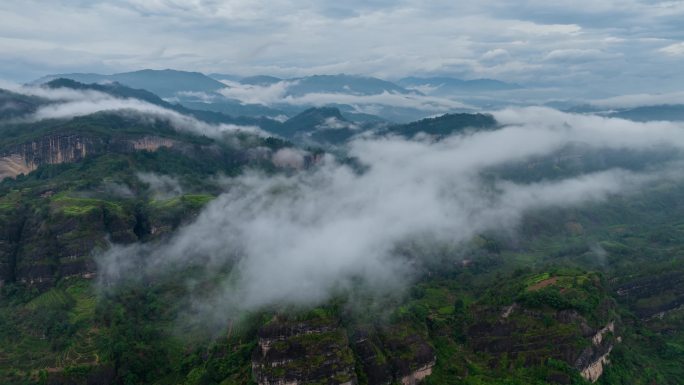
(572,292)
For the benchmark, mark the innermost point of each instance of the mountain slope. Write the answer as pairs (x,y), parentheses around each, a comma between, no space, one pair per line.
(570,295)
(13,105)
(445,125)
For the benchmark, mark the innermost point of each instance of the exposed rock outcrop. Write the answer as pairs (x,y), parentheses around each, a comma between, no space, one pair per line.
(393,356)
(318,351)
(54,236)
(13,165)
(516,332)
(57,149)
(152,143)
(35,249)
(645,295)
(419,374)
(293,353)
(595,369)
(593,358)
(51,149)
(374,362)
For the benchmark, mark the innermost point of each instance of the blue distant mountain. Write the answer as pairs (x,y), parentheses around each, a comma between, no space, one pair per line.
(669,112)
(260,80)
(165,83)
(665,112)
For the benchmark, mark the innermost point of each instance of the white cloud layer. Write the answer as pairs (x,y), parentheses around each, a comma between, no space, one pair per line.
(297,240)
(637,100)
(277,93)
(676,49)
(161,186)
(68,103)
(255,94)
(424,103)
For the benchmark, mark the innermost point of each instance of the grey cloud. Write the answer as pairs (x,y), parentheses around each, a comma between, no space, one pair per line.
(288,158)
(117,189)
(161,186)
(379,38)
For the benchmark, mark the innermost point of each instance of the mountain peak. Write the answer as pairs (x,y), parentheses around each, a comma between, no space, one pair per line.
(165,83)
(321,112)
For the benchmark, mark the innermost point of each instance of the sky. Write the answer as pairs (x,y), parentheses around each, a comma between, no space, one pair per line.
(623,46)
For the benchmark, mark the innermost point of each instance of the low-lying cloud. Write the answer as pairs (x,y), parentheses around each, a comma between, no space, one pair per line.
(288,158)
(256,94)
(68,103)
(299,239)
(278,93)
(420,102)
(161,186)
(333,123)
(639,100)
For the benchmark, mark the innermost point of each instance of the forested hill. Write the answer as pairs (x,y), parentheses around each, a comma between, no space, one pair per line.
(104,184)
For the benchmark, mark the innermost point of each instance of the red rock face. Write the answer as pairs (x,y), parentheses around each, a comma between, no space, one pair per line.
(319,351)
(152,143)
(291,353)
(13,165)
(57,149)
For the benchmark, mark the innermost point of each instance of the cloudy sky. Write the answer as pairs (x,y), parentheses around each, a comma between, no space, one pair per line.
(618,45)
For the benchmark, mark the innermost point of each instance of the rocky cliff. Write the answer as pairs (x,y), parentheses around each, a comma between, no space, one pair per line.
(566,321)
(533,336)
(594,357)
(319,351)
(68,148)
(55,235)
(651,297)
(393,355)
(44,236)
(295,353)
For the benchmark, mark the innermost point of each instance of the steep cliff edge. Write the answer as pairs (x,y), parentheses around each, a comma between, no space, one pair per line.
(593,358)
(318,350)
(56,235)
(651,297)
(393,354)
(549,321)
(69,148)
(534,337)
(292,353)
